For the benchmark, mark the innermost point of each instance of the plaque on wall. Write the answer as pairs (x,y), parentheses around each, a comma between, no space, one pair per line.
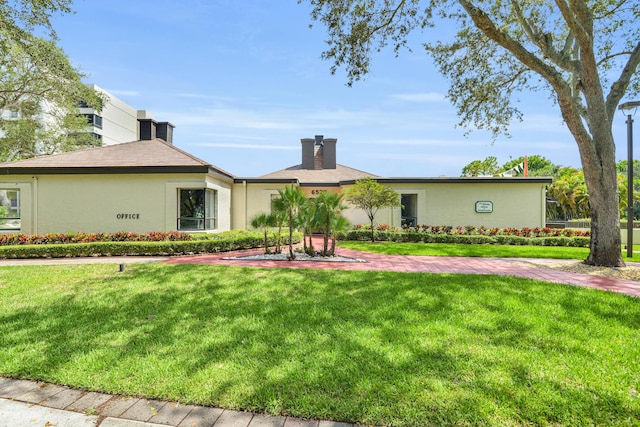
(484,206)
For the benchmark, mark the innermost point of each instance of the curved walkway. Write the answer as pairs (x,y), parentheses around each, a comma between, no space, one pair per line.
(519,267)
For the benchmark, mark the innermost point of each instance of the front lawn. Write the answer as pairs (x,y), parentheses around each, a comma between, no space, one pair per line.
(368,347)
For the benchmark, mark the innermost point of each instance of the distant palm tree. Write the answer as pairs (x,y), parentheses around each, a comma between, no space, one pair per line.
(263,222)
(290,199)
(329,207)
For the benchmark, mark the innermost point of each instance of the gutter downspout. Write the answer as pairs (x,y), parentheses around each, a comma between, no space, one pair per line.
(246,198)
(34,206)
(544,206)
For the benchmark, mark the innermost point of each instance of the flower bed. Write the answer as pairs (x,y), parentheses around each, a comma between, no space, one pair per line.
(544,236)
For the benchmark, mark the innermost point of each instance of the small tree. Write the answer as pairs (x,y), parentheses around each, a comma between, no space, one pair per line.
(290,199)
(371,196)
(308,221)
(263,222)
(340,223)
(328,207)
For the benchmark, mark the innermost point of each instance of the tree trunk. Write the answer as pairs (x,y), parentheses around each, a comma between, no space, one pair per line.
(600,175)
(291,255)
(606,244)
(373,233)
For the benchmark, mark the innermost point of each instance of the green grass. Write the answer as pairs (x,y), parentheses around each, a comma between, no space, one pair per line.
(368,347)
(490,251)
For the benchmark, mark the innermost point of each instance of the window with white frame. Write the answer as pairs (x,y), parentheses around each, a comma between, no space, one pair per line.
(10,210)
(197,209)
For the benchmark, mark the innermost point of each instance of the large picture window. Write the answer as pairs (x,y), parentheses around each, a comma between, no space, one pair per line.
(197,209)
(10,210)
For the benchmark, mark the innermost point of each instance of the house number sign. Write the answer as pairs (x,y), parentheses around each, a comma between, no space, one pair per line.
(484,206)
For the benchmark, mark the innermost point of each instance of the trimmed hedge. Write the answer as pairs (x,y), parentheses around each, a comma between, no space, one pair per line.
(214,243)
(499,239)
(65,238)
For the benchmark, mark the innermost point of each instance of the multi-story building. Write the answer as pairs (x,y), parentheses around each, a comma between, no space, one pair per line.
(119,122)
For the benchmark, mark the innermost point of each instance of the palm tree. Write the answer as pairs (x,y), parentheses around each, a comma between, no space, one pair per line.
(278,218)
(308,221)
(340,224)
(329,206)
(263,222)
(290,199)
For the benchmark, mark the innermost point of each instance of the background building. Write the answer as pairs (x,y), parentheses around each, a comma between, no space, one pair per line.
(119,122)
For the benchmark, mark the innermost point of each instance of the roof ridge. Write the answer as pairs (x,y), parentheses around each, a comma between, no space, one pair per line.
(358,170)
(191,156)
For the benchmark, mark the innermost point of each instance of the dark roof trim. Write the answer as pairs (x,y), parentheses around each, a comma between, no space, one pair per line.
(112,170)
(463,180)
(266,180)
(321,184)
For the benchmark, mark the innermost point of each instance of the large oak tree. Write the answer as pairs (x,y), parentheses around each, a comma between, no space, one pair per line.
(39,87)
(584,53)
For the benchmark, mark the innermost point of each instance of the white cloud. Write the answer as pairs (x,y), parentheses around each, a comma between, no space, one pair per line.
(420,97)
(247,146)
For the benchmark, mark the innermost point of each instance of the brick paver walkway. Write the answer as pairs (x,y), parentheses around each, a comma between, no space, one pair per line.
(518,267)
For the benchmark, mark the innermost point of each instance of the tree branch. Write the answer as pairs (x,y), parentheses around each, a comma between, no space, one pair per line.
(578,30)
(620,86)
(394,12)
(544,42)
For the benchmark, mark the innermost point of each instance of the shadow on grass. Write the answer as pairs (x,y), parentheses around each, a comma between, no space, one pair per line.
(365,347)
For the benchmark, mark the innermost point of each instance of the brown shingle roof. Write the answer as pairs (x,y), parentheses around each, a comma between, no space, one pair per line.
(340,173)
(156,154)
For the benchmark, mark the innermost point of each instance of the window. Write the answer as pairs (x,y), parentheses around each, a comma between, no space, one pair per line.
(94,120)
(96,136)
(197,209)
(409,212)
(10,210)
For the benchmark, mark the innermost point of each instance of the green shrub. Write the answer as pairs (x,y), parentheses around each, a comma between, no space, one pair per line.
(222,243)
(449,235)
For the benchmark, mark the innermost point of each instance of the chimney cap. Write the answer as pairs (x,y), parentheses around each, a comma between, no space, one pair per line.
(319,139)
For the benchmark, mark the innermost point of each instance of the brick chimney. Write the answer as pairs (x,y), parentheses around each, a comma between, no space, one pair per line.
(329,153)
(318,153)
(307,153)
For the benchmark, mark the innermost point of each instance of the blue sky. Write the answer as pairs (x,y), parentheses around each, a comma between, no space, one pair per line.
(243,82)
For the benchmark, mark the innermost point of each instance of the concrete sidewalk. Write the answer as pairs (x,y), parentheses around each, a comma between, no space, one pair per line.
(30,403)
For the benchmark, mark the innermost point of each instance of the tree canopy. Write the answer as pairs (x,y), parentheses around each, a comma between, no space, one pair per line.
(584,54)
(39,88)
(371,196)
(486,167)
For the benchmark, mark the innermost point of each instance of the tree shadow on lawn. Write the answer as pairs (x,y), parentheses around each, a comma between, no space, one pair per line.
(367,347)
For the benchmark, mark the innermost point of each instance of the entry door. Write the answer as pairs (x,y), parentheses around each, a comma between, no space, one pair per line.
(409,212)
